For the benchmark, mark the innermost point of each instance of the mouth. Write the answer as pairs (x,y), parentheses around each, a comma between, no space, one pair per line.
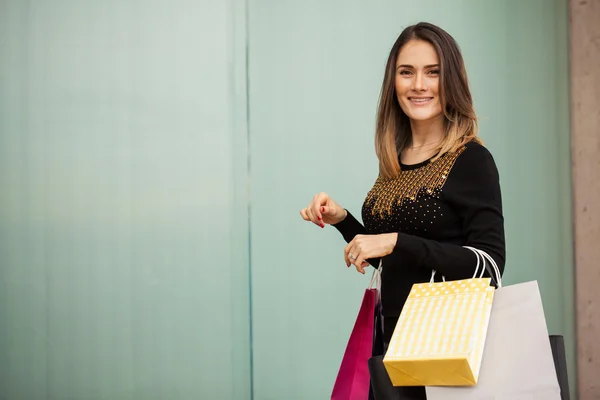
(419,101)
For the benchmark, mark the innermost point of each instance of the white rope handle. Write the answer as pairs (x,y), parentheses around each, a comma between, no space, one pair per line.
(474,274)
(376,279)
(494,266)
(478,256)
(433,272)
(477,266)
(481,257)
(375,276)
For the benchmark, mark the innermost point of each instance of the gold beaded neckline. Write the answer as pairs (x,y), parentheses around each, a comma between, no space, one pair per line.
(410,183)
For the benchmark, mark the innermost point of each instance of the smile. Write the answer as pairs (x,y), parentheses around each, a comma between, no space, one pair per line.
(420,100)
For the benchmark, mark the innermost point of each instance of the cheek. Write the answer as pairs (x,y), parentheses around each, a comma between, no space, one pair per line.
(400,86)
(401,89)
(434,86)
(400,95)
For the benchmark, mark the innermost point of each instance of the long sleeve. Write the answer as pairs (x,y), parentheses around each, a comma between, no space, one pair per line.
(473,192)
(349,228)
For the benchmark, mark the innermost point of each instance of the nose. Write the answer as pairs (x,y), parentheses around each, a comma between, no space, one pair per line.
(419,82)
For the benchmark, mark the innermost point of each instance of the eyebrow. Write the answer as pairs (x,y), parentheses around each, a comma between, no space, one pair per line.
(410,66)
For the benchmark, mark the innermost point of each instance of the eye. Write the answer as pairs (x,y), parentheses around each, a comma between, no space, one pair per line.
(405,72)
(434,72)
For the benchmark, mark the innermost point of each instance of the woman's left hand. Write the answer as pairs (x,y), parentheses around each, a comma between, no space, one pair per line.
(364,247)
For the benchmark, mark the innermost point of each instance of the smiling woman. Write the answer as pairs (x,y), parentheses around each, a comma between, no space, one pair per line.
(417,89)
(438,188)
(426,107)
(417,86)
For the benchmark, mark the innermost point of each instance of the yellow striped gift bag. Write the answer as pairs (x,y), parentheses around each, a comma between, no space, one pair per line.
(440,335)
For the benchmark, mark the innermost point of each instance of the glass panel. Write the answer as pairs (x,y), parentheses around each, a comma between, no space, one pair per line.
(124,244)
(315,74)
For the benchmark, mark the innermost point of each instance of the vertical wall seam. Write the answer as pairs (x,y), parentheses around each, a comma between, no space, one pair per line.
(249,189)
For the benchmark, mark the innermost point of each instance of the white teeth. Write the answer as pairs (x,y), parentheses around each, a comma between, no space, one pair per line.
(420,100)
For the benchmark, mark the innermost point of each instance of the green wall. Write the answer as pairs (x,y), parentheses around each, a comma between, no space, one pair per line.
(123,223)
(315,74)
(154,156)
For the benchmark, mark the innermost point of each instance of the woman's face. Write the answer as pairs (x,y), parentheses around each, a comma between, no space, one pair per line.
(417,81)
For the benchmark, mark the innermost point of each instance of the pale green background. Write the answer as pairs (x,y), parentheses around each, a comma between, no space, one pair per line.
(154,156)
(124,201)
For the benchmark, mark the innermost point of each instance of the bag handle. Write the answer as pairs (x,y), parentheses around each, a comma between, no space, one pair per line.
(494,266)
(474,274)
(433,272)
(375,277)
(481,258)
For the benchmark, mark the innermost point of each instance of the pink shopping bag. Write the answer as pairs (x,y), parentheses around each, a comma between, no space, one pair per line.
(353,379)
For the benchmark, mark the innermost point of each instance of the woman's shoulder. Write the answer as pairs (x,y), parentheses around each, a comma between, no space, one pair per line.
(476,155)
(475,147)
(475,163)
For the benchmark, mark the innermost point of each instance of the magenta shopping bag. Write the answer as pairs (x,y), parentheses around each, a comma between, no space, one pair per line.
(353,379)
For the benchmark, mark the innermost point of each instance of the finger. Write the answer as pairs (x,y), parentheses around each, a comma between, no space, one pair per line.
(318,220)
(318,203)
(312,218)
(360,269)
(358,257)
(310,215)
(354,254)
(358,263)
(346,259)
(347,253)
(304,214)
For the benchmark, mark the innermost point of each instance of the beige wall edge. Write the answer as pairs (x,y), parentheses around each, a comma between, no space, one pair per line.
(584,30)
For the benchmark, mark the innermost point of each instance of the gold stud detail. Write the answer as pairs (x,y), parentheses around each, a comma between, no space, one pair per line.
(410,184)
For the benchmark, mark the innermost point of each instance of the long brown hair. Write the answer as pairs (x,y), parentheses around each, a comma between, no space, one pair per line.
(393,132)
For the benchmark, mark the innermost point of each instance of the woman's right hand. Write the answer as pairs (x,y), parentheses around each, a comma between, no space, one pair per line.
(323,210)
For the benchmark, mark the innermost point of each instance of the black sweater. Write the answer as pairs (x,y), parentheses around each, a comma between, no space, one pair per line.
(437,208)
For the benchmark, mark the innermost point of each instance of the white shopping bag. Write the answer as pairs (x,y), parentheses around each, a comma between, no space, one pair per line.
(517,359)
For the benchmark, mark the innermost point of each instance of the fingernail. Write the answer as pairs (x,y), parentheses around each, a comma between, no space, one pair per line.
(318,216)
(322,209)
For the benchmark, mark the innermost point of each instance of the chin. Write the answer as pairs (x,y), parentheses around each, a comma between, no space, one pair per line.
(416,113)
(419,116)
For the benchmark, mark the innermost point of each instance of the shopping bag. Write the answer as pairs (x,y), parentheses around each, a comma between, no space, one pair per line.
(381,385)
(440,334)
(517,362)
(383,389)
(353,380)
(557,343)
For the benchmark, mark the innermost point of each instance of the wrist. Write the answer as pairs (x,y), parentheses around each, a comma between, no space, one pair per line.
(341,216)
(391,243)
(344,214)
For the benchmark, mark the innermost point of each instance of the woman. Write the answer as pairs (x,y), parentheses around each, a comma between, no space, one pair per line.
(438,186)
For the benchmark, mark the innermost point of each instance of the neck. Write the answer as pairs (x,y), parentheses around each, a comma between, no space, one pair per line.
(427,132)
